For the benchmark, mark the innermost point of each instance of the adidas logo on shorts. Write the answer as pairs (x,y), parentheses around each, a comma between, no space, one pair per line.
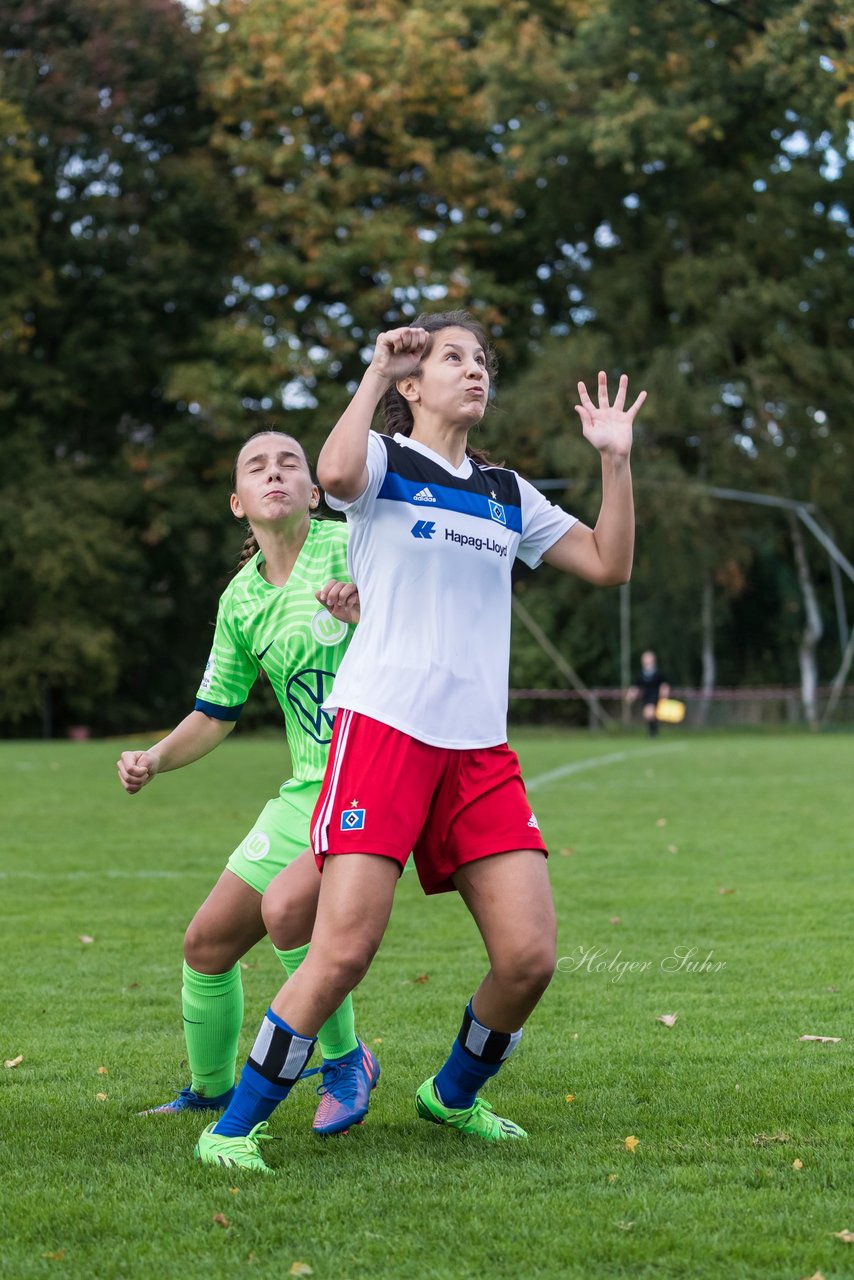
(424,495)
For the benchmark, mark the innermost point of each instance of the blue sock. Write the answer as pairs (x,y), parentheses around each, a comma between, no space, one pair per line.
(275,1063)
(255,1099)
(476,1056)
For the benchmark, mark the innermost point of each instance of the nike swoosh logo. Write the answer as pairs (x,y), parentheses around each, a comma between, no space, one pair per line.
(260,655)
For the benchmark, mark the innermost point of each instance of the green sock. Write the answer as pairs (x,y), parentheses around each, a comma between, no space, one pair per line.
(212,1004)
(337,1036)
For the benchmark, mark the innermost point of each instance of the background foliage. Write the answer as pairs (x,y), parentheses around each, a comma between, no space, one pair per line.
(206,217)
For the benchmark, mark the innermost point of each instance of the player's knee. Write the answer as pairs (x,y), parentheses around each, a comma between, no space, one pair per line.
(351,961)
(200,948)
(528,970)
(284,921)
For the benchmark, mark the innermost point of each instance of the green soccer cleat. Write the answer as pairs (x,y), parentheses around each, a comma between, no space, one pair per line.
(233,1153)
(479,1119)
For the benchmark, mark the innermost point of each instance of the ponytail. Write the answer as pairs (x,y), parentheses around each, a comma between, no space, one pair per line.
(250,546)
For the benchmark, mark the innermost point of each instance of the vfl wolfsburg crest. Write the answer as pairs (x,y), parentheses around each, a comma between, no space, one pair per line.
(306,692)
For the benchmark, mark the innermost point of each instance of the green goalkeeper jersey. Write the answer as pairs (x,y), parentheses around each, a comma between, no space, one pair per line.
(286,633)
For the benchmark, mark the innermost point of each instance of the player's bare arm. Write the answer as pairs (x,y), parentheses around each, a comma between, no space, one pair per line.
(194,737)
(603,555)
(341,467)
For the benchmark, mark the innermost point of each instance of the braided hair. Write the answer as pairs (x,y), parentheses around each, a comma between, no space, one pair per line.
(396,411)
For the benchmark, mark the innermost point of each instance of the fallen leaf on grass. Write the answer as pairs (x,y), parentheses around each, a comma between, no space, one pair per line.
(85,939)
(567,853)
(668,1019)
(101,1097)
(817,1276)
(797,1164)
(132,986)
(102,1071)
(422,978)
(661,822)
(846,1236)
(765,1139)
(221,1220)
(235,1191)
(13,1062)
(253,965)
(673,848)
(613,1177)
(377,1041)
(570,1097)
(55,1257)
(822,1039)
(300,1269)
(832,988)
(631,1142)
(726,891)
(625,1226)
(615,920)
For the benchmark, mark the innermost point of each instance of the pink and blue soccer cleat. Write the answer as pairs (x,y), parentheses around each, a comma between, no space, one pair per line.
(345,1093)
(189,1100)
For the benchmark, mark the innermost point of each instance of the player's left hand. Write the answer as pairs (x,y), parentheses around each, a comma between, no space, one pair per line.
(608,427)
(341,599)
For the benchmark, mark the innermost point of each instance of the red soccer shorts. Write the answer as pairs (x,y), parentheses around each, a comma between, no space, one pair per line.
(387,793)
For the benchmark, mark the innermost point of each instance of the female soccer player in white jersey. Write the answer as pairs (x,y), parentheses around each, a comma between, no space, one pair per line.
(269,619)
(419,758)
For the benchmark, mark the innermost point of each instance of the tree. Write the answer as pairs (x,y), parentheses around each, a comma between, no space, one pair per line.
(114,232)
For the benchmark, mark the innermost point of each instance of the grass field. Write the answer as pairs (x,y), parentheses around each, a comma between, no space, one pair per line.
(718,869)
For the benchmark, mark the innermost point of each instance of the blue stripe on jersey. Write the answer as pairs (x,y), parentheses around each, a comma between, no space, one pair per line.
(397,489)
(217,712)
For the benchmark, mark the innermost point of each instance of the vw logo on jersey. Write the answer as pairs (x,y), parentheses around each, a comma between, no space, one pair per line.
(326,629)
(306,692)
(497,512)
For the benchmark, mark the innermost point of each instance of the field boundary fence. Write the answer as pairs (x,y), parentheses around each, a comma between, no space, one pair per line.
(722,708)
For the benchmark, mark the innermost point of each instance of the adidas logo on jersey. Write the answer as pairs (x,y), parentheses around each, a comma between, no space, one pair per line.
(424,495)
(532,822)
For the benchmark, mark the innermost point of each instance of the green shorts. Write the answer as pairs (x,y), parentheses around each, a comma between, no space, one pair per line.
(279,835)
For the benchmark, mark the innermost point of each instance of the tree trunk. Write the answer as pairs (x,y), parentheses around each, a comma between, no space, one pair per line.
(707,625)
(812,631)
(838,682)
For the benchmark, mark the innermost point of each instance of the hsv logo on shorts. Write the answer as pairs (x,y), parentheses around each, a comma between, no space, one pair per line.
(353,820)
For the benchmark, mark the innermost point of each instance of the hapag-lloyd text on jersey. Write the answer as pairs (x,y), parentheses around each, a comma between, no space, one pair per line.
(479,544)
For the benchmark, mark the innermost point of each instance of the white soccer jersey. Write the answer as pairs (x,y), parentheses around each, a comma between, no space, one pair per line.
(431,550)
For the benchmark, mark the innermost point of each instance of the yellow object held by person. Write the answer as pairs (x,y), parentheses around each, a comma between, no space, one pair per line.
(670,711)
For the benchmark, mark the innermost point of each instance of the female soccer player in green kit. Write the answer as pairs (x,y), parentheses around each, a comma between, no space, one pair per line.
(269,620)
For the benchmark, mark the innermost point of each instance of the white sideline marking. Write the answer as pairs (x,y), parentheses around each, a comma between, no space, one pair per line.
(594,762)
(534,784)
